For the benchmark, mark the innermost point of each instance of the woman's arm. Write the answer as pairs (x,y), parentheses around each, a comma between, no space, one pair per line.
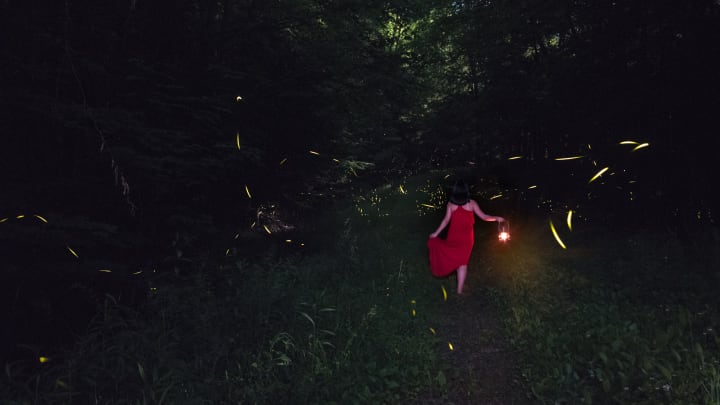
(482,215)
(443,224)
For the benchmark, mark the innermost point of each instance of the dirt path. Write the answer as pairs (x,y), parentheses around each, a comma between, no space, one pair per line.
(483,367)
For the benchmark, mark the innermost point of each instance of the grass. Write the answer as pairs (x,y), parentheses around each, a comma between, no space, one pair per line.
(617,318)
(627,319)
(344,324)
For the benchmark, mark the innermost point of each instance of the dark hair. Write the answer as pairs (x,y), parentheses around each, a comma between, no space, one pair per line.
(460,193)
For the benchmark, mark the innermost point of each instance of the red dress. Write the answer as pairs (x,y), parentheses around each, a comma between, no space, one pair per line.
(449,254)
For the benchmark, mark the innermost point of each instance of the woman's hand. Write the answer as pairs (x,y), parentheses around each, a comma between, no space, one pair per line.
(500,219)
(434,235)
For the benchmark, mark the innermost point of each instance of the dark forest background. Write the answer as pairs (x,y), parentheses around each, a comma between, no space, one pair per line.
(151,134)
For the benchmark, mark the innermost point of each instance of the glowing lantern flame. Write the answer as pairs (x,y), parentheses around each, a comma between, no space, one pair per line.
(503,231)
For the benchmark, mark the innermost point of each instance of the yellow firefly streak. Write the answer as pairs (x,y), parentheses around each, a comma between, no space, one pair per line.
(267,230)
(557,238)
(43,359)
(402,189)
(446,176)
(3,220)
(40,218)
(412,302)
(569,158)
(496,196)
(628,143)
(444,292)
(227,252)
(450,346)
(20,216)
(312,152)
(137,272)
(598,174)
(532,187)
(413,312)
(428,205)
(642,145)
(238,99)
(432,330)
(335,160)
(288,240)
(569,219)
(105,271)
(73,252)
(515,157)
(247,190)
(237,140)
(282,162)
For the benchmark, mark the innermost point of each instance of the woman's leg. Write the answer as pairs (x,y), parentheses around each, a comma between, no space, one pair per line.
(461,273)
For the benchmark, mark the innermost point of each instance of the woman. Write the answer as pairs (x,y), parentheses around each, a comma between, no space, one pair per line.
(454,252)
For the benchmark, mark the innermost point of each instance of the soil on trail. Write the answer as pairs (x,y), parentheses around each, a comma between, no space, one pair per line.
(483,369)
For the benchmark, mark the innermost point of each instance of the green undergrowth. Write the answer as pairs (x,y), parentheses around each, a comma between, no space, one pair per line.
(614,319)
(346,324)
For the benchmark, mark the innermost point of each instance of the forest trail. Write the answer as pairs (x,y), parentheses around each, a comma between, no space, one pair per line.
(483,367)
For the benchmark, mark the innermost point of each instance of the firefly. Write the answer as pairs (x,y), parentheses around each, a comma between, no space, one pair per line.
(282,162)
(532,187)
(569,219)
(288,240)
(432,330)
(496,196)
(137,272)
(444,292)
(515,157)
(628,143)
(598,174)
(238,99)
(21,216)
(73,252)
(267,230)
(43,359)
(428,205)
(247,190)
(105,271)
(569,158)
(412,302)
(3,220)
(335,160)
(642,145)
(227,252)
(40,218)
(312,152)
(413,312)
(402,189)
(450,346)
(557,237)
(237,140)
